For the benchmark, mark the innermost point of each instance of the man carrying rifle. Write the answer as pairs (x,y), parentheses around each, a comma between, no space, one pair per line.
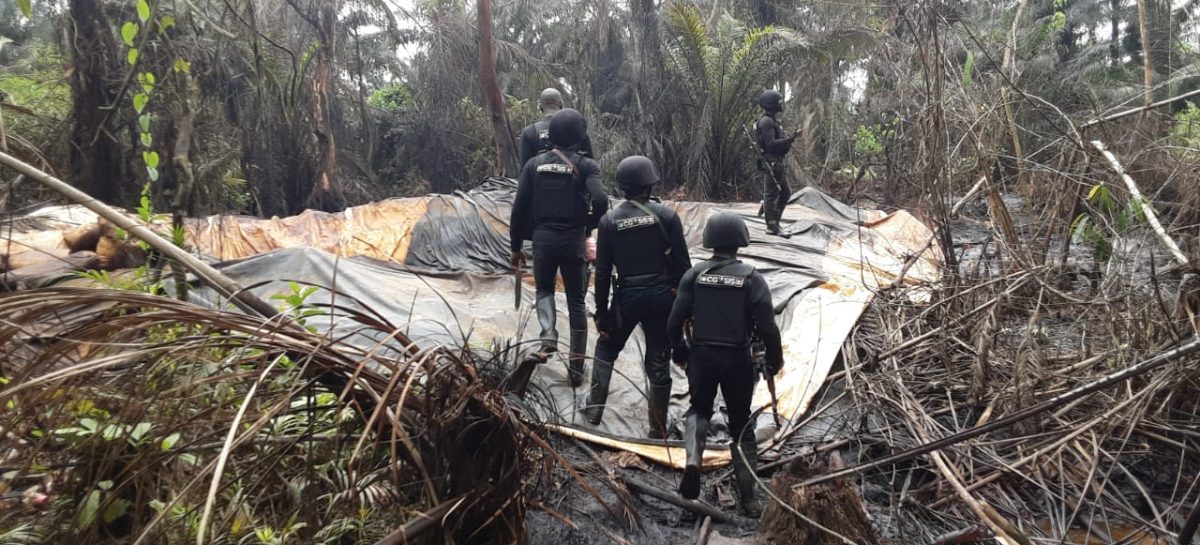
(644,241)
(774,146)
(726,301)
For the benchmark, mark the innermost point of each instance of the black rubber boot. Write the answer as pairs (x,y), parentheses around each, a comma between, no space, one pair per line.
(660,401)
(546,317)
(578,355)
(694,436)
(773,228)
(597,396)
(745,460)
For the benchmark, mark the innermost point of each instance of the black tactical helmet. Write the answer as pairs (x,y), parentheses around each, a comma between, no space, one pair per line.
(636,173)
(726,230)
(567,128)
(771,100)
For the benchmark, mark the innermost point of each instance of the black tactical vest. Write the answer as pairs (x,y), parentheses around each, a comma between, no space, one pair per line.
(558,195)
(639,244)
(721,308)
(541,129)
(777,134)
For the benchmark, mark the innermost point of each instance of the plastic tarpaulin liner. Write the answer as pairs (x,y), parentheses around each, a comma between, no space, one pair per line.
(436,266)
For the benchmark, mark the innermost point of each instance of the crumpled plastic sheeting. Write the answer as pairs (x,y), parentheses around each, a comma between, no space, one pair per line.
(436,266)
(821,280)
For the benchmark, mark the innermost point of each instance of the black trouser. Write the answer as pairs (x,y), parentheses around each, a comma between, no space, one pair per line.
(710,367)
(776,191)
(555,250)
(649,307)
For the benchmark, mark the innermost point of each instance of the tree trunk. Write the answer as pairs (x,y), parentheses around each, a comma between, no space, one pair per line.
(506,148)
(326,193)
(97,159)
(1009,68)
(1114,47)
(1147,67)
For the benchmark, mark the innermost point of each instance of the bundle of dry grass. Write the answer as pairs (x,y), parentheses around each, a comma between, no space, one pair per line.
(1119,462)
(150,420)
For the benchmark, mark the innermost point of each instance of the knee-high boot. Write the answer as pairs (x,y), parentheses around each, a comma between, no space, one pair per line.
(546,318)
(745,460)
(660,400)
(578,355)
(694,436)
(602,371)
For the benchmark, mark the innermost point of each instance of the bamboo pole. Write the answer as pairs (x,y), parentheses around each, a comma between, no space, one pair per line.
(1151,217)
(224,285)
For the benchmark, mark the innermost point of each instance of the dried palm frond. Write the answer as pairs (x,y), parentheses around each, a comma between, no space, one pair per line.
(133,393)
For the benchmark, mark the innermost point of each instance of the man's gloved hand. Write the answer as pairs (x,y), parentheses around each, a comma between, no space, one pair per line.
(605,321)
(773,369)
(517,260)
(680,355)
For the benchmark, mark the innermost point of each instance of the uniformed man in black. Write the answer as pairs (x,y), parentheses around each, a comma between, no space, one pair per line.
(774,146)
(559,201)
(535,138)
(644,241)
(726,301)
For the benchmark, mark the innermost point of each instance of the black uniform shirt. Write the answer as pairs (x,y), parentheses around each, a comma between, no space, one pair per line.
(607,250)
(535,139)
(770,137)
(760,312)
(522,222)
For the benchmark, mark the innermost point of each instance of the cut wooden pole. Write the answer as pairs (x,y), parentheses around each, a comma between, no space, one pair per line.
(1147,208)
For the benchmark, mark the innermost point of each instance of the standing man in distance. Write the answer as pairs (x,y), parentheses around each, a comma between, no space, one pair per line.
(774,146)
(644,241)
(535,138)
(726,300)
(559,201)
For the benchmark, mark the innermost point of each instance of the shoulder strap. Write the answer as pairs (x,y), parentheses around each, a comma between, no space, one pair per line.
(561,155)
(657,220)
(712,267)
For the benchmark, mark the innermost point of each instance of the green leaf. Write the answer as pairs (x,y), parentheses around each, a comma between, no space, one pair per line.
(143,10)
(169,442)
(115,510)
(151,158)
(153,173)
(147,139)
(144,122)
(89,424)
(140,431)
(968,67)
(147,81)
(87,515)
(132,57)
(26,8)
(104,485)
(129,31)
(182,66)
(139,102)
(165,23)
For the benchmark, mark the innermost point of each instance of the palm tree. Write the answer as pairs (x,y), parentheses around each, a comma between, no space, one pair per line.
(721,69)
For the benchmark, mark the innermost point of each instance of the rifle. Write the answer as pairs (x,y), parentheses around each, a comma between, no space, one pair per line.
(758,354)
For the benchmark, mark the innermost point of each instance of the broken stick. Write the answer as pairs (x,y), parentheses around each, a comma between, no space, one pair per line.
(1147,208)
